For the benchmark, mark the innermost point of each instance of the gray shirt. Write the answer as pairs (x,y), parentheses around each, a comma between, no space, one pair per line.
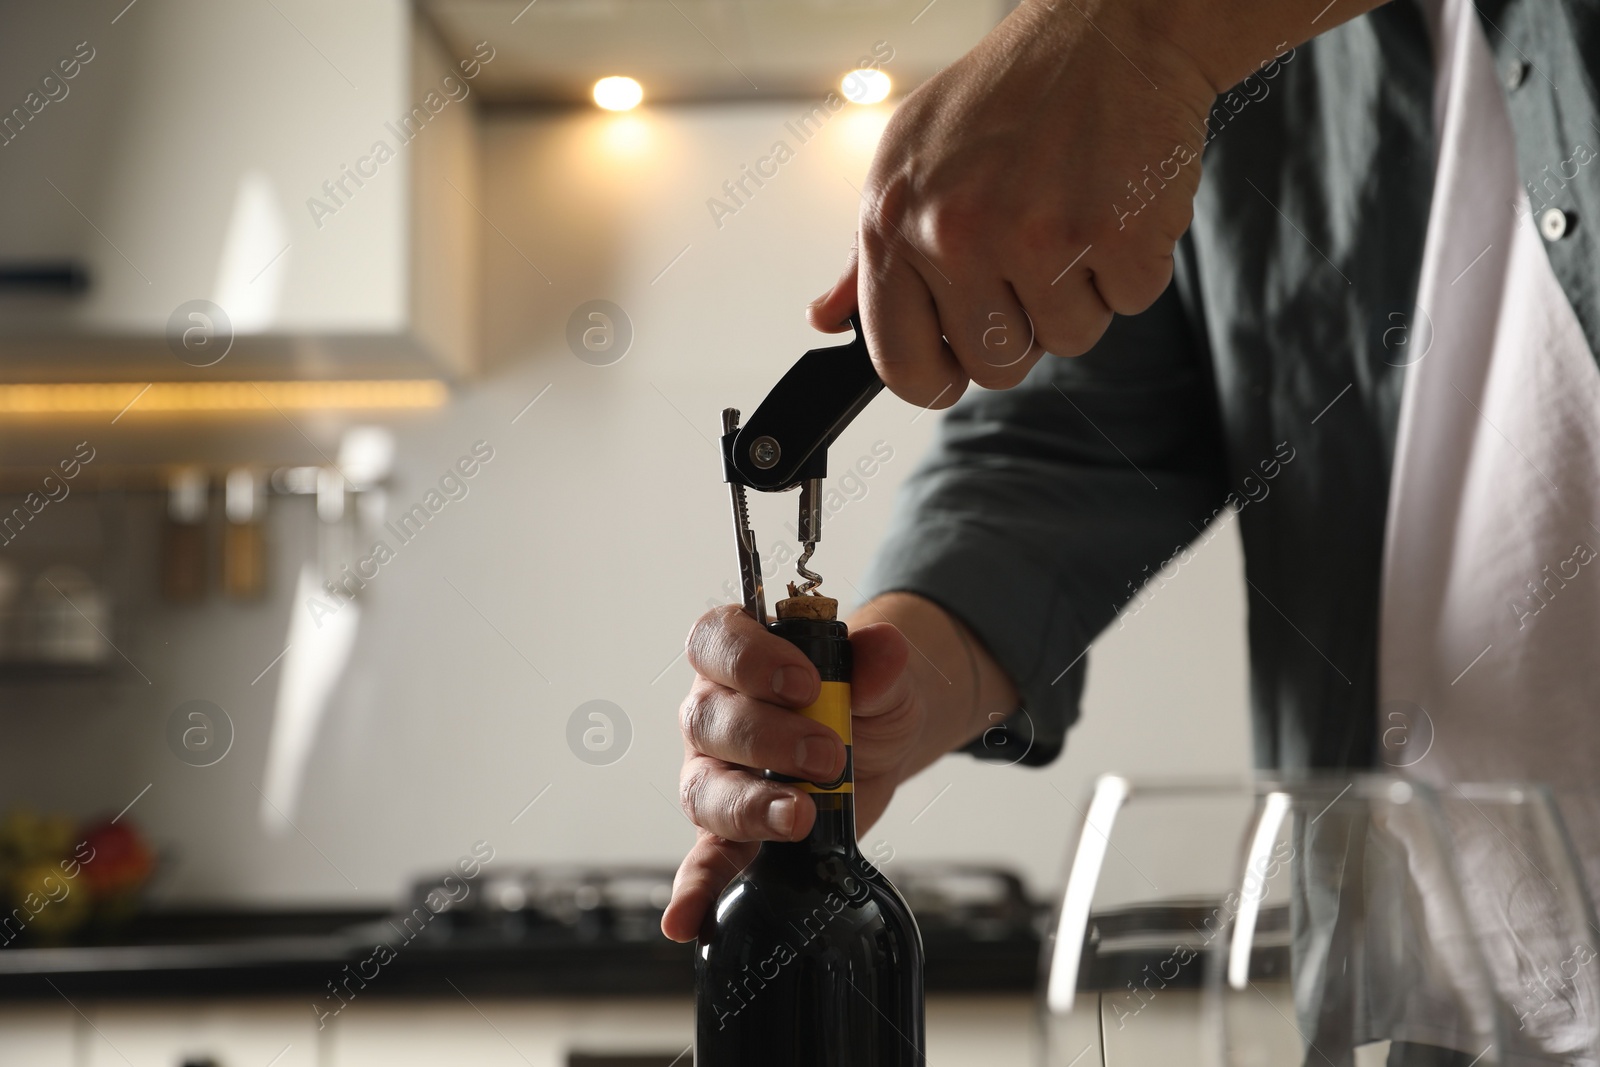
(1266,379)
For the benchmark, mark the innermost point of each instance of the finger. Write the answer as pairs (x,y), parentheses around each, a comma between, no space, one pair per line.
(1142,251)
(730,648)
(899,317)
(830,312)
(728,725)
(1128,269)
(988,330)
(1068,314)
(879,681)
(1136,284)
(703,874)
(740,805)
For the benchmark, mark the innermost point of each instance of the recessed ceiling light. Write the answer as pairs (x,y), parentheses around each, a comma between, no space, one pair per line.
(865,86)
(618,94)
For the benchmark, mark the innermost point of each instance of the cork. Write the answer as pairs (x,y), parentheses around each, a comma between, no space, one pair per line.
(808,607)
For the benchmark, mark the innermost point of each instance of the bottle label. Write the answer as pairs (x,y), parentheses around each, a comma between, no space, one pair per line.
(832,709)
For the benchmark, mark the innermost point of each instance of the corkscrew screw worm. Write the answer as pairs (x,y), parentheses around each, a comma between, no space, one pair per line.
(810,530)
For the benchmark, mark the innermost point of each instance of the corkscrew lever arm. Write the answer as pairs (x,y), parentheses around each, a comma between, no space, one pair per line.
(745,539)
(785,444)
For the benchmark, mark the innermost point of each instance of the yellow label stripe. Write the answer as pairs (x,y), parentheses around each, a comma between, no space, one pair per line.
(832,709)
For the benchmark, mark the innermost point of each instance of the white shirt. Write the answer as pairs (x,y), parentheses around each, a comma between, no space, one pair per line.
(1490,624)
(1491,588)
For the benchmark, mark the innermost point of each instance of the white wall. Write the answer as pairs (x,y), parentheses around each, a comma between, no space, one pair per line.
(589,544)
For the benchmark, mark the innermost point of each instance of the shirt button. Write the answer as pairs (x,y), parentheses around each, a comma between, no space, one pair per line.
(1516,73)
(1553,224)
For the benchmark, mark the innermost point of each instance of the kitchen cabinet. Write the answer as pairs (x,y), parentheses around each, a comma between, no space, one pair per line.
(37,1035)
(1174,1027)
(228,1034)
(963,1031)
(983,1031)
(505,1033)
(230,153)
(1169,1029)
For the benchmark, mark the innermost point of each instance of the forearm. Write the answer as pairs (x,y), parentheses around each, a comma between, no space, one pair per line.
(963,689)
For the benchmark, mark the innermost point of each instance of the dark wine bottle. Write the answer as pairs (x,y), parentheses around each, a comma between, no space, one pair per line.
(810,958)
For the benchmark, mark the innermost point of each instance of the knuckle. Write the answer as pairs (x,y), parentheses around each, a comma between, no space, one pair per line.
(726,725)
(692,789)
(883,200)
(744,808)
(708,643)
(874,241)
(700,635)
(954,226)
(694,715)
(1047,240)
(879,223)
(743,731)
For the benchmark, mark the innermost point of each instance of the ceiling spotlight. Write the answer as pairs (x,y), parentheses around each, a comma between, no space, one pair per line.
(865,86)
(618,94)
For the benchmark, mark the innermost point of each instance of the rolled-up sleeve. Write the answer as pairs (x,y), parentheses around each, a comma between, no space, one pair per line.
(1041,510)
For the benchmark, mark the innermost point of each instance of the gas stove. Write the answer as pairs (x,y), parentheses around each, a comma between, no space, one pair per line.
(568,931)
(623,905)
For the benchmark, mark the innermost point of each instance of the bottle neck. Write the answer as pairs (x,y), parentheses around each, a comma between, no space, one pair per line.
(835,828)
(826,644)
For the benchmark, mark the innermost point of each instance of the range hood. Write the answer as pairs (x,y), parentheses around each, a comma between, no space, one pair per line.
(186,156)
(216,167)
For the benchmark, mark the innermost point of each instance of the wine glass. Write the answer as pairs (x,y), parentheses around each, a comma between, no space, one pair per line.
(1350,944)
(1144,901)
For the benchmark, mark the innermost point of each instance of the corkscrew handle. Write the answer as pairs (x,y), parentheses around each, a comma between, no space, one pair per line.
(785,444)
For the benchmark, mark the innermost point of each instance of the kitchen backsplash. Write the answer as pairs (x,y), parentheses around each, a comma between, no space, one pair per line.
(537,556)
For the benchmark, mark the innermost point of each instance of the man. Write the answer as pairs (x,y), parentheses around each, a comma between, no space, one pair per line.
(1387,307)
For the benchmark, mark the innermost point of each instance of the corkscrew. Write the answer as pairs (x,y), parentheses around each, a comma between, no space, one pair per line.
(785,445)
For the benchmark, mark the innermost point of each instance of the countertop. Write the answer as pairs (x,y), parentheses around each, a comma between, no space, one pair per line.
(239,953)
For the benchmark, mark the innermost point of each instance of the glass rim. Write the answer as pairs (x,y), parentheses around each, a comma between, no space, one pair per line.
(1368,784)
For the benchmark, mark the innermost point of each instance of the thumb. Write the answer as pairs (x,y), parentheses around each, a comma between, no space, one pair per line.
(879,681)
(830,312)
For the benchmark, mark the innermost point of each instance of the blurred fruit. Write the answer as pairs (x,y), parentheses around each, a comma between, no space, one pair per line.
(120,861)
(57,877)
(27,838)
(57,906)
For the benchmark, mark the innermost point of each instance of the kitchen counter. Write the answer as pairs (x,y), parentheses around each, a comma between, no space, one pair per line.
(245,954)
